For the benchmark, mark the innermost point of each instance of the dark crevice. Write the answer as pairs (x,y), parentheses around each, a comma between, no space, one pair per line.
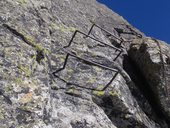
(39,56)
(116,115)
(18,34)
(40,51)
(6,98)
(141,83)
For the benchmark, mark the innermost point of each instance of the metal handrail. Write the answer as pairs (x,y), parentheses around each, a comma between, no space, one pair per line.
(88,62)
(120,39)
(77,31)
(95,25)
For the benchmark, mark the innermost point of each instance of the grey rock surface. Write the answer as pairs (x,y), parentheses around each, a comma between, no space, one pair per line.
(82,95)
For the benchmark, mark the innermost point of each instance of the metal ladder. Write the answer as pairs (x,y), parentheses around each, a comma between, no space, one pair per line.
(70,53)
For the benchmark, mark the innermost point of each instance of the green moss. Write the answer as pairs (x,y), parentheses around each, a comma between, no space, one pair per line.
(31,41)
(26,70)
(18,80)
(38,47)
(40,50)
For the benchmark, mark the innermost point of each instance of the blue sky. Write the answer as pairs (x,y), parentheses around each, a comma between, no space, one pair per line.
(150,16)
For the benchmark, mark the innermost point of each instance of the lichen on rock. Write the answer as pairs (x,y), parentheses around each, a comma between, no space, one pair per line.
(79,95)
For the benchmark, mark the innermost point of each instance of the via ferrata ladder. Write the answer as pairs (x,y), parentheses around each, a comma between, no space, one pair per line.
(69,53)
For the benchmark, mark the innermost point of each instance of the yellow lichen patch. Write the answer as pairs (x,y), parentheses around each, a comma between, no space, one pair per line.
(28,97)
(98,93)
(113,93)
(91,80)
(72,91)
(46,51)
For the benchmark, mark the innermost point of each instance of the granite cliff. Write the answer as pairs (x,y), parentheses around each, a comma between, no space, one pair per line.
(77,64)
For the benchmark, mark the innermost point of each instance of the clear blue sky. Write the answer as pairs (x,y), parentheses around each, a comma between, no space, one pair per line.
(150,16)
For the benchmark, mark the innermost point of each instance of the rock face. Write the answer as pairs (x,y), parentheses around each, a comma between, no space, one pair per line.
(152,57)
(92,83)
